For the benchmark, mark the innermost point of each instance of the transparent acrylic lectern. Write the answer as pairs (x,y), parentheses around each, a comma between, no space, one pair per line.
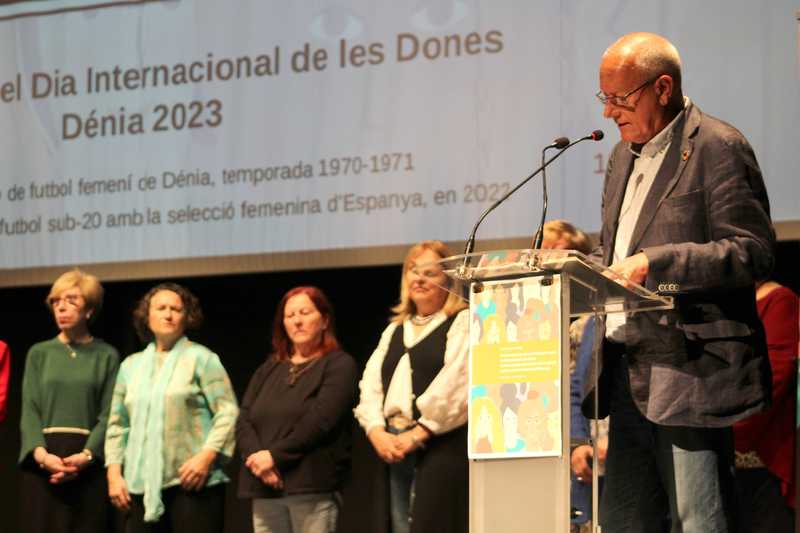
(521,303)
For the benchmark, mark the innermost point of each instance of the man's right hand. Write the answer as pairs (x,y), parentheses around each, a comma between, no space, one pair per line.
(581,459)
(581,463)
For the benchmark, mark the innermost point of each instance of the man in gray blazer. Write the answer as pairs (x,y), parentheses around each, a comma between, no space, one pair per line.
(685,213)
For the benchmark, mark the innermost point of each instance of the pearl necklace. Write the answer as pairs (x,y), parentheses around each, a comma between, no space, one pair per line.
(420,320)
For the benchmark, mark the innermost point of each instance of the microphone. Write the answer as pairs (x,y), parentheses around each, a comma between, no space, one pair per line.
(560,143)
(596,135)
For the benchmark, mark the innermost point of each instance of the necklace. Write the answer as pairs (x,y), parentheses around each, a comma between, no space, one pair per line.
(421,320)
(72,353)
(71,350)
(297,370)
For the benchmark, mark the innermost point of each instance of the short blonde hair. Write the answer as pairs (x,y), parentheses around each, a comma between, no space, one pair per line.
(405,308)
(577,240)
(90,287)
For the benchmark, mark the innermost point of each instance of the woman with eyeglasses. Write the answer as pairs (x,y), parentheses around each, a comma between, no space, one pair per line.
(66,393)
(413,404)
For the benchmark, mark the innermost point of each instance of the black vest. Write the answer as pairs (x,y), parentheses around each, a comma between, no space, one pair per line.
(427,358)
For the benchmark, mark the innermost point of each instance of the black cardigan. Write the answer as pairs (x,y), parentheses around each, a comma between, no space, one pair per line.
(306,427)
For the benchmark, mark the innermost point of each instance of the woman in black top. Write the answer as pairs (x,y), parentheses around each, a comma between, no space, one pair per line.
(293,428)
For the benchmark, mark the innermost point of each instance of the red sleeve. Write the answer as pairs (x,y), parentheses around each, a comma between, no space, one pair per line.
(779,313)
(5,366)
(780,317)
(772,433)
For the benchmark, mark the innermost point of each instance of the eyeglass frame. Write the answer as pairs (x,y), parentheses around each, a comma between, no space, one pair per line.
(425,272)
(71,300)
(622,101)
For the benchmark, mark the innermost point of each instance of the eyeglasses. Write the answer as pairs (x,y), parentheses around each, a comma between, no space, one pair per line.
(425,272)
(622,101)
(71,300)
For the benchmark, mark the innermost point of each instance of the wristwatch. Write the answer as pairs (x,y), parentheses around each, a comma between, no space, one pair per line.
(88,453)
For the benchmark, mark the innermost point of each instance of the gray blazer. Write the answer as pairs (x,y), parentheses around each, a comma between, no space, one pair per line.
(706,231)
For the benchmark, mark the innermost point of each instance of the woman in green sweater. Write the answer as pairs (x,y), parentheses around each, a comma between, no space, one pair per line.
(66,393)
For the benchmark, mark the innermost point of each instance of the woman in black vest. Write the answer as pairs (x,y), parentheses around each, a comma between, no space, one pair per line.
(416,419)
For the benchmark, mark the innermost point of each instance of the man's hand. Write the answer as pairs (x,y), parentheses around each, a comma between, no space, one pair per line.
(581,459)
(633,268)
(581,464)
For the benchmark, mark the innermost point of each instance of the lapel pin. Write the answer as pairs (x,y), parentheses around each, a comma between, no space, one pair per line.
(685,155)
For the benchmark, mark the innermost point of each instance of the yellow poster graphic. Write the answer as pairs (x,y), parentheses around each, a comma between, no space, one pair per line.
(515,370)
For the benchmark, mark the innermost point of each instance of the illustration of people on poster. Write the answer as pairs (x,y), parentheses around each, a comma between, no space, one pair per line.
(515,370)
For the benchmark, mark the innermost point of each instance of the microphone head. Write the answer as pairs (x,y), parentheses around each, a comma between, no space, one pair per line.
(597,135)
(560,143)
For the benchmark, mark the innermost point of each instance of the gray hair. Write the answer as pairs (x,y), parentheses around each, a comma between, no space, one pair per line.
(655,58)
(650,54)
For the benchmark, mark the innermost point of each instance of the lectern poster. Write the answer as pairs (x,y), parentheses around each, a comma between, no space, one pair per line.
(515,370)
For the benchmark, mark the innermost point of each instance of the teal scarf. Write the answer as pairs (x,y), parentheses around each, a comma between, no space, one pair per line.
(148,421)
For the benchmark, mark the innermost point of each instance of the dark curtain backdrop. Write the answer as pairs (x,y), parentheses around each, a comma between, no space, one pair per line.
(239,311)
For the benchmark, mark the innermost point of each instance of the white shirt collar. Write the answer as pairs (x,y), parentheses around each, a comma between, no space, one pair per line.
(663,138)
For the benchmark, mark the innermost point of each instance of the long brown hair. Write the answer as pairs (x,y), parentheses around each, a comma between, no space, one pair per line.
(281,344)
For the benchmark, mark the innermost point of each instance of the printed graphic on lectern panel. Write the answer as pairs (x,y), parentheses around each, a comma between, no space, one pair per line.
(515,370)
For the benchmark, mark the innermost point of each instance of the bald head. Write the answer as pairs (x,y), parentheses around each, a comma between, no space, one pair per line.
(648,55)
(640,82)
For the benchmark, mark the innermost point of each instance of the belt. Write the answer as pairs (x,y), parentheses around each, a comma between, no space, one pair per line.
(76,431)
(401,422)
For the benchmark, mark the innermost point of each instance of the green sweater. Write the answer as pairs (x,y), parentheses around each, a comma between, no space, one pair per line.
(62,391)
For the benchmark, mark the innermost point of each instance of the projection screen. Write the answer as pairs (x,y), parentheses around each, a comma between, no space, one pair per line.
(159,138)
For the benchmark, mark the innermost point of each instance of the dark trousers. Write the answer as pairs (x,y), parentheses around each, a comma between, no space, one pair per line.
(77,506)
(441,485)
(762,508)
(184,511)
(664,478)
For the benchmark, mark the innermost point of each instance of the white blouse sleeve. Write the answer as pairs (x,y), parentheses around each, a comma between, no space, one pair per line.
(443,405)
(369,411)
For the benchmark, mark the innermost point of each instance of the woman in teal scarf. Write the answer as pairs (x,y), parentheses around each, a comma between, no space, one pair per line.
(171,425)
